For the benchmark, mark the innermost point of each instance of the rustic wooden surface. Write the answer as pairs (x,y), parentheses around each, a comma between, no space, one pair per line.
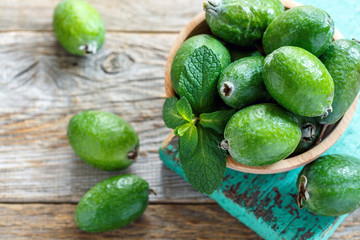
(41,87)
(118,15)
(160,221)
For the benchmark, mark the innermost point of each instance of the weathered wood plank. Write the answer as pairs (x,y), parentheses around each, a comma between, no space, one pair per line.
(350,228)
(147,15)
(170,221)
(41,87)
(205,221)
(118,15)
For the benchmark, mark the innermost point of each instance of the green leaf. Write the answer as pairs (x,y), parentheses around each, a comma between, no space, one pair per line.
(180,130)
(184,108)
(171,115)
(189,140)
(216,120)
(198,79)
(205,168)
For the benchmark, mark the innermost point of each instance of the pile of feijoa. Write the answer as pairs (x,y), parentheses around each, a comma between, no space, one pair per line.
(101,139)
(260,88)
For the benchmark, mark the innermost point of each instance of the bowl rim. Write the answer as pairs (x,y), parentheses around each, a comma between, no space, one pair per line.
(286,164)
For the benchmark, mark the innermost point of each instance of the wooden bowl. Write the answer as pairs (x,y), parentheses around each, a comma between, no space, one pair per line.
(197,26)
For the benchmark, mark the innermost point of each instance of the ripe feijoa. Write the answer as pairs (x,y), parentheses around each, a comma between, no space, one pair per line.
(342,60)
(241,22)
(112,203)
(103,140)
(241,83)
(299,81)
(310,132)
(330,186)
(307,27)
(78,27)
(188,48)
(261,134)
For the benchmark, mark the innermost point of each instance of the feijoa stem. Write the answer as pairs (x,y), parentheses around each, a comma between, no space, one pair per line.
(324,127)
(326,113)
(90,48)
(355,40)
(308,131)
(134,153)
(224,145)
(302,194)
(210,6)
(226,89)
(152,191)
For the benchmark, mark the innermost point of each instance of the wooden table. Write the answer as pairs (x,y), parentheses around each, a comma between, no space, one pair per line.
(42,86)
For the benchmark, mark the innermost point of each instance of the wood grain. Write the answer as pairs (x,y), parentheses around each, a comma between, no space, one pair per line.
(170,221)
(160,221)
(41,87)
(349,229)
(118,15)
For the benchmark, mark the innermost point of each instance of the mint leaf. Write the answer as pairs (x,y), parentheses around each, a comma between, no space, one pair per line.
(180,130)
(216,120)
(205,168)
(189,140)
(198,79)
(184,108)
(171,115)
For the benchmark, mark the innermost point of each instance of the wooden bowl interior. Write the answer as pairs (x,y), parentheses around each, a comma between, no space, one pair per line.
(199,26)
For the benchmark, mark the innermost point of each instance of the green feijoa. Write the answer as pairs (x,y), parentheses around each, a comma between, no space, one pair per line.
(299,81)
(307,27)
(188,48)
(330,186)
(241,22)
(103,140)
(342,60)
(237,52)
(261,134)
(310,132)
(241,83)
(112,203)
(78,27)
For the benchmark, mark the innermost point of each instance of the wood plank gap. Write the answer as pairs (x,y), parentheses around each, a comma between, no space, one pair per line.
(210,202)
(155,202)
(107,31)
(75,203)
